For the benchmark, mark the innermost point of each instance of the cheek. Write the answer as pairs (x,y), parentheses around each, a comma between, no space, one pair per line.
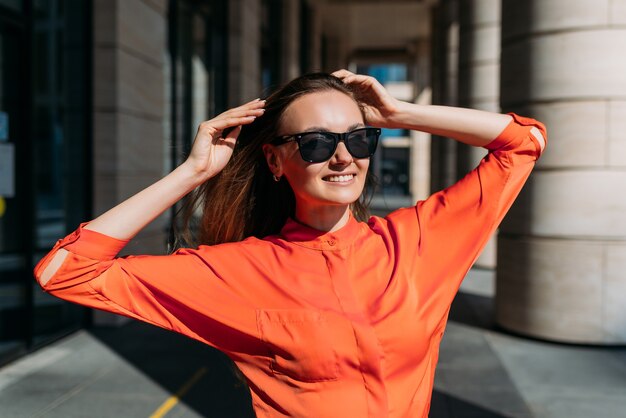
(363,167)
(303,175)
(291,156)
(296,170)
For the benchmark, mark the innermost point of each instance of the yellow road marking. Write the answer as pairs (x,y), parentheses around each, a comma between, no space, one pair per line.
(174,399)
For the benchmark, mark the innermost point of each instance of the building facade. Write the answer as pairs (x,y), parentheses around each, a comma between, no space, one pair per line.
(100,98)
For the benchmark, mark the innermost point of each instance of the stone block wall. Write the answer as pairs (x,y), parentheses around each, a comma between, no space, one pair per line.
(129,141)
(479,82)
(563,245)
(128,109)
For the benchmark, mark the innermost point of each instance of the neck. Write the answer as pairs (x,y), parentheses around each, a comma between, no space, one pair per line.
(323,218)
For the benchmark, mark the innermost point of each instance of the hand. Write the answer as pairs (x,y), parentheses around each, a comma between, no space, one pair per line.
(379,106)
(215,140)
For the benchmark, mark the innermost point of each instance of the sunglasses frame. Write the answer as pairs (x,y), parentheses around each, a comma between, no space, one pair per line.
(337,137)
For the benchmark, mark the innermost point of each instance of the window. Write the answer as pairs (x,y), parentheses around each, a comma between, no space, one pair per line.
(392,161)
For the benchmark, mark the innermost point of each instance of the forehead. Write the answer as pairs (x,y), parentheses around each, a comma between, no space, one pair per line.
(332,110)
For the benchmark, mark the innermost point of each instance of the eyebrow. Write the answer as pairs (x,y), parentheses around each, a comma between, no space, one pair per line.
(322,129)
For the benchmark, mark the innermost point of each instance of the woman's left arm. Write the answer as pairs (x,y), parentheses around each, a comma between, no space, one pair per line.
(473,127)
(444,234)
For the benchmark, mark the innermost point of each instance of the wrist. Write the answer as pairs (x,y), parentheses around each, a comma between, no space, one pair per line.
(189,176)
(404,115)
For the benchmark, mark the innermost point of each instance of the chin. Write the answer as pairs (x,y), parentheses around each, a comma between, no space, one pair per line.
(341,199)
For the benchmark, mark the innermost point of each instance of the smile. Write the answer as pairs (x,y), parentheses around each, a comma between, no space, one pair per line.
(339,179)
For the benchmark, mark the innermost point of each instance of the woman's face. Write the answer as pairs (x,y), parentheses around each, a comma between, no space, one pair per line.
(338,181)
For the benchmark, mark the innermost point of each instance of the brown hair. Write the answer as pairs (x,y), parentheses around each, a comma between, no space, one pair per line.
(243,200)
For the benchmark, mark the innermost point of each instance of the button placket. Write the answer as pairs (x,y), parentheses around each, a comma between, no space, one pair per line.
(369,349)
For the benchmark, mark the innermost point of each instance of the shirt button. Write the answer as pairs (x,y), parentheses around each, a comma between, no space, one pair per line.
(332,242)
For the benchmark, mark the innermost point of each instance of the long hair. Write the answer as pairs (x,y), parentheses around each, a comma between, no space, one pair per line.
(243,200)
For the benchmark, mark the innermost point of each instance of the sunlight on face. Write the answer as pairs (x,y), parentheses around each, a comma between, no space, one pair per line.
(338,181)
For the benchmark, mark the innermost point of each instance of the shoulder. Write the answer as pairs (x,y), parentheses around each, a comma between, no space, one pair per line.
(399,218)
(398,227)
(229,251)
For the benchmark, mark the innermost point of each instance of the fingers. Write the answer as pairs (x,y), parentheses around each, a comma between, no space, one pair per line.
(235,113)
(253,104)
(342,73)
(221,123)
(241,115)
(253,108)
(233,134)
(349,77)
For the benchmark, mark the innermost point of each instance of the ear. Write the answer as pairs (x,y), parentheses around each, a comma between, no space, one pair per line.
(273,158)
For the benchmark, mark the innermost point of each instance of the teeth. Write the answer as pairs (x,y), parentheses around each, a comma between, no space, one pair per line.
(340,178)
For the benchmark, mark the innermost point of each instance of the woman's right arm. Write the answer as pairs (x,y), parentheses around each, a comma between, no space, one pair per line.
(189,291)
(210,153)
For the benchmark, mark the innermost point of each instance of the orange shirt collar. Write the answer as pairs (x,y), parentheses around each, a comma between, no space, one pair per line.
(306,236)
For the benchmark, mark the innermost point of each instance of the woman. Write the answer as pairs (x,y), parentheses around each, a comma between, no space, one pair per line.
(325,315)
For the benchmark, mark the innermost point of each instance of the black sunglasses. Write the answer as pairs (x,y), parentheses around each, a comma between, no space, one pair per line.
(317,147)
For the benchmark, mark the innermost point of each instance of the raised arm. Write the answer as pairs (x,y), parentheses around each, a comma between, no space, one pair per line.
(472,127)
(443,235)
(210,153)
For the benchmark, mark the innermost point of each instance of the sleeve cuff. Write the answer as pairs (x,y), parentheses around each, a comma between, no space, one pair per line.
(92,244)
(517,132)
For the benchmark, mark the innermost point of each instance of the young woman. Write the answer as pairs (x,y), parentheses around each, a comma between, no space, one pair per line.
(325,315)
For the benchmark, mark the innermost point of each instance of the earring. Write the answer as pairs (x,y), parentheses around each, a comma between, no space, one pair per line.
(276,178)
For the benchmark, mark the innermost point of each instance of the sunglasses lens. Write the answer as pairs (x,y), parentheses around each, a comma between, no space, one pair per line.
(316,147)
(362,142)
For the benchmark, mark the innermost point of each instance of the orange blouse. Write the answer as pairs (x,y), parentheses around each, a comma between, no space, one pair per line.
(346,323)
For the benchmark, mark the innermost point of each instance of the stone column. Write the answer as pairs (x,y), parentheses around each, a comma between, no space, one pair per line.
(562,249)
(244,46)
(129,102)
(419,165)
(479,81)
(290,40)
(129,45)
(445,87)
(315,52)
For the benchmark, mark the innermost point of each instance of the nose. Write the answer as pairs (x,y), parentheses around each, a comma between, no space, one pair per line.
(341,155)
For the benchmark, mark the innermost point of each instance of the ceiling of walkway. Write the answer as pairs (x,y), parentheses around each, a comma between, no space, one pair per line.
(376,24)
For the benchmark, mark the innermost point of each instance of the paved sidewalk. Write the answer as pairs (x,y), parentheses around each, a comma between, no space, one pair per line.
(136,371)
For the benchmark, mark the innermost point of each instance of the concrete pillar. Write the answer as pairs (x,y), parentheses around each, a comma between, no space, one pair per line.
(445,86)
(129,102)
(315,48)
(479,81)
(421,141)
(290,40)
(244,46)
(562,249)
(129,46)
(337,53)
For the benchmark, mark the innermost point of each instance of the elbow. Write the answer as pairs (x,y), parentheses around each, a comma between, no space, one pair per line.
(43,277)
(539,138)
(47,268)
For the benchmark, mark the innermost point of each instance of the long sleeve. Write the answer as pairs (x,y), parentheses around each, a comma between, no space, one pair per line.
(444,234)
(180,292)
